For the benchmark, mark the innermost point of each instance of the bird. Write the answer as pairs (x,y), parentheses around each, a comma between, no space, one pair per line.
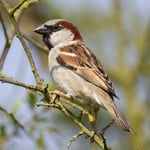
(76,71)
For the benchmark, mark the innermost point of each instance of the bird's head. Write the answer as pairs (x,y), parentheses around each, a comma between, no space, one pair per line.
(58,31)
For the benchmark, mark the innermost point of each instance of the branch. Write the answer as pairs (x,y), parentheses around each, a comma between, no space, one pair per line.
(10,13)
(74,138)
(17,7)
(38,80)
(14,120)
(4,53)
(58,105)
(23,5)
(3,26)
(39,46)
(9,37)
(10,80)
(7,43)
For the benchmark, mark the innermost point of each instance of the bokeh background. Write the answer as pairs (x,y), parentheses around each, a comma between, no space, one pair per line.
(118,32)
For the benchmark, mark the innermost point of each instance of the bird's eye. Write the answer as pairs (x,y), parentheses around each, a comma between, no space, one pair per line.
(56,28)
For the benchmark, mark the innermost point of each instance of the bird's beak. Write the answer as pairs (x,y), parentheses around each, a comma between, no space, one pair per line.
(41,30)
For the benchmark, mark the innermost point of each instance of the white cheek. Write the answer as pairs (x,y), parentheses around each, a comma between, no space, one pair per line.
(63,36)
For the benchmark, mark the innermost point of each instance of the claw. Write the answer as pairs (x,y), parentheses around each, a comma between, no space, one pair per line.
(53,98)
(93,133)
(56,94)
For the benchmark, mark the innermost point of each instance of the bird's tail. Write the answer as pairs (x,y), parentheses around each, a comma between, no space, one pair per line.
(117,115)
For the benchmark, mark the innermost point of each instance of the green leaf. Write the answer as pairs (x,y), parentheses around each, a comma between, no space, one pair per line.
(32,99)
(51,87)
(3,132)
(17,106)
(40,141)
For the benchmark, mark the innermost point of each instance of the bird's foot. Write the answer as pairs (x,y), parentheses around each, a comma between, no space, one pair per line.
(93,133)
(56,94)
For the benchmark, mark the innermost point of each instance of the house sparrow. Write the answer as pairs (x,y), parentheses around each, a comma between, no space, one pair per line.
(76,71)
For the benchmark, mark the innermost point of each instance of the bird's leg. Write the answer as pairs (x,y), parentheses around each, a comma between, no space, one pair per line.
(94,123)
(80,115)
(107,126)
(56,94)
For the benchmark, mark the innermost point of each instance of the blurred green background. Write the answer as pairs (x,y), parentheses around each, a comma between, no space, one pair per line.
(118,32)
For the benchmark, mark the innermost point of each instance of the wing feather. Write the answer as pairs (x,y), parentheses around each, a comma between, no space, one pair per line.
(86,65)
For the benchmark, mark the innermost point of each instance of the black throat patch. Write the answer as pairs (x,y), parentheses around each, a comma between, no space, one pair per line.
(47,41)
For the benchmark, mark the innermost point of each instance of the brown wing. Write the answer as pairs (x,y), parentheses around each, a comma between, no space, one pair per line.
(85,64)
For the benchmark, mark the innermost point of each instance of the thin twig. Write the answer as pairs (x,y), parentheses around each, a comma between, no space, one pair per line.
(17,7)
(18,83)
(13,118)
(9,37)
(42,48)
(100,140)
(106,147)
(38,80)
(24,4)
(4,54)
(71,116)
(7,43)
(3,25)
(74,138)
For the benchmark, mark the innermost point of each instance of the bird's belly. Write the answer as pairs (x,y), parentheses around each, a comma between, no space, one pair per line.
(75,86)
(67,81)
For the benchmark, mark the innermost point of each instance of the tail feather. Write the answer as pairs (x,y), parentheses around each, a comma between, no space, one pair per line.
(117,115)
(121,120)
